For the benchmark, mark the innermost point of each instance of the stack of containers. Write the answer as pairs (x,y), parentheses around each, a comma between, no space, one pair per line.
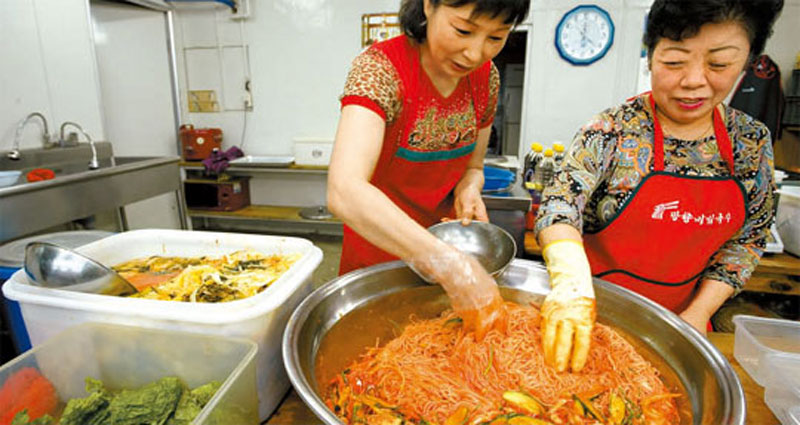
(769,351)
(260,318)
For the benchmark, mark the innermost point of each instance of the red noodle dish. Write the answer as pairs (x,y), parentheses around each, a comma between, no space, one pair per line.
(436,373)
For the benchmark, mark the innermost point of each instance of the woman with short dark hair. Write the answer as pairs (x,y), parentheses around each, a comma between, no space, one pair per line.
(671,193)
(416,118)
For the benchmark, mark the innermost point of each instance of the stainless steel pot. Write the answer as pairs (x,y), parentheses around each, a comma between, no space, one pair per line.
(713,388)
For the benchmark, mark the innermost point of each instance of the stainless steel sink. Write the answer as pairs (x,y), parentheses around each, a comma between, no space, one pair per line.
(76,191)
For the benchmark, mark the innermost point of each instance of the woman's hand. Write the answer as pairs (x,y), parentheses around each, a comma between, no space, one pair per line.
(569,310)
(473,293)
(468,200)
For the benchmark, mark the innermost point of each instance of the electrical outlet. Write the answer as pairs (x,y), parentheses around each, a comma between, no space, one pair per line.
(248,96)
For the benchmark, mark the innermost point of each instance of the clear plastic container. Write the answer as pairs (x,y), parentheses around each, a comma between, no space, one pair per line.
(128,357)
(758,337)
(787,219)
(782,387)
(260,318)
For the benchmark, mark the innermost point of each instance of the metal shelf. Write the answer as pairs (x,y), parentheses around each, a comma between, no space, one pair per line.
(263,218)
(234,169)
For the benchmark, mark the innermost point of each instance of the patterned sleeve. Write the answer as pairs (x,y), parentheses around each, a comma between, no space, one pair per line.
(585,163)
(735,261)
(494,90)
(373,83)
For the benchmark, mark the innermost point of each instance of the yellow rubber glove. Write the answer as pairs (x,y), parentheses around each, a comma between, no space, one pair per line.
(568,312)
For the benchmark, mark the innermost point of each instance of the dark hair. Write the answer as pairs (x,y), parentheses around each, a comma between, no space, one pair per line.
(414,25)
(680,19)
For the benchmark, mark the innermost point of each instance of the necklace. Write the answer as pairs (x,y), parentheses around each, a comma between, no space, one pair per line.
(680,135)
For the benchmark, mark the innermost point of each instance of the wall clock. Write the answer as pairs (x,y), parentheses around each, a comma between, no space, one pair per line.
(584,35)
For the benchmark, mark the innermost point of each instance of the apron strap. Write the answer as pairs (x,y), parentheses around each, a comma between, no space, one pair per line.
(724,143)
(720,131)
(658,135)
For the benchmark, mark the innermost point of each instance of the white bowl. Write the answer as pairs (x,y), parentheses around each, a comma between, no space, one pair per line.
(7,178)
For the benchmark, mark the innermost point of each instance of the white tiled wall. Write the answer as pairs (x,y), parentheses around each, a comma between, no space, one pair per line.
(47,66)
(296,54)
(299,53)
(559,97)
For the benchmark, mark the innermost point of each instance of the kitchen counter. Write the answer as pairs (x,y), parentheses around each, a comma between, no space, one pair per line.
(516,198)
(292,410)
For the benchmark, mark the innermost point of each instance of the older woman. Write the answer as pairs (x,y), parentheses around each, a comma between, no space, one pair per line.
(416,118)
(671,193)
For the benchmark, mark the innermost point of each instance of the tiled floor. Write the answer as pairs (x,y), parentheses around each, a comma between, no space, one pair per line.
(331,247)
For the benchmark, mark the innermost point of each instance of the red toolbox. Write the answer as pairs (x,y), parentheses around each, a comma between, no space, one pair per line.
(198,143)
(217,195)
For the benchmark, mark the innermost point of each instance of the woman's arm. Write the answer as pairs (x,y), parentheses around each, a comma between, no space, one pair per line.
(468,201)
(559,231)
(731,266)
(710,296)
(362,206)
(569,310)
(353,199)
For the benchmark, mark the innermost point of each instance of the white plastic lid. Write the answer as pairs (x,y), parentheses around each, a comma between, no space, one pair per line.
(790,191)
(12,254)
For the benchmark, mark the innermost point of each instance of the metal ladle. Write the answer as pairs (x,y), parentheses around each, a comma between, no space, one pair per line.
(53,266)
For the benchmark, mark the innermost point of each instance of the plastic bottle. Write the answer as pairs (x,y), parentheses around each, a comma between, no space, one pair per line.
(558,156)
(531,159)
(543,175)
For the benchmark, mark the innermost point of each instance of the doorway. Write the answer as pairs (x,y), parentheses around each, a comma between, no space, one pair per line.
(510,63)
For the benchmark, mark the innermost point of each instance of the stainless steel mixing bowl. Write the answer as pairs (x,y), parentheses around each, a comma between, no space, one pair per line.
(714,390)
(492,246)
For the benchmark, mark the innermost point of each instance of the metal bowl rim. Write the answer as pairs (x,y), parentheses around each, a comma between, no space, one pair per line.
(493,226)
(730,385)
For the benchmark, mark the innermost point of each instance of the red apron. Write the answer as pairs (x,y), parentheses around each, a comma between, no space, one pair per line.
(663,236)
(418,181)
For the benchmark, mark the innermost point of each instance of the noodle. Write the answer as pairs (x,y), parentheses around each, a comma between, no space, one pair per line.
(435,371)
(229,277)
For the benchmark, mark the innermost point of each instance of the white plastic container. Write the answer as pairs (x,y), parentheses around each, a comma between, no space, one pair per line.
(758,337)
(260,318)
(124,357)
(782,387)
(787,219)
(312,151)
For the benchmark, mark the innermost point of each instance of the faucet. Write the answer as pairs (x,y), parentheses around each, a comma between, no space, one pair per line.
(14,153)
(93,163)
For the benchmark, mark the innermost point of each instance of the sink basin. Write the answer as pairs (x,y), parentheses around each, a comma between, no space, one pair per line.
(62,161)
(76,191)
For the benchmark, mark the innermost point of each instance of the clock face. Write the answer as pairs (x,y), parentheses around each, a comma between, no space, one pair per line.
(584,35)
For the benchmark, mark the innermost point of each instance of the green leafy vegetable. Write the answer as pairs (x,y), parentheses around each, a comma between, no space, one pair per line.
(163,402)
(21,418)
(192,402)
